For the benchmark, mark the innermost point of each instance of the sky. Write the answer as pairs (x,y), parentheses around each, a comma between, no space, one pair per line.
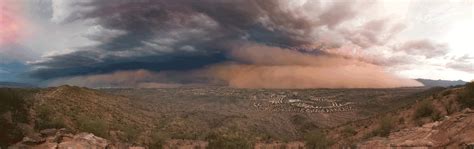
(236,43)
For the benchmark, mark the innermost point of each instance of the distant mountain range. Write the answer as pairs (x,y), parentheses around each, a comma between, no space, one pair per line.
(440,83)
(16,85)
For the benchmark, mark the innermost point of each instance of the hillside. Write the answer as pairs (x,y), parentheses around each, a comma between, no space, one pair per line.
(216,117)
(441,120)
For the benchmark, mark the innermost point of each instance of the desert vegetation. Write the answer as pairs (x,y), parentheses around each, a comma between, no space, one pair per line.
(386,125)
(93,125)
(233,118)
(424,109)
(47,119)
(217,141)
(14,107)
(466,99)
(316,139)
(152,116)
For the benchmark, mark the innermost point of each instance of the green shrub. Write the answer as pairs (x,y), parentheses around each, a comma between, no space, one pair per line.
(131,132)
(158,139)
(385,126)
(9,100)
(446,93)
(14,104)
(96,126)
(436,116)
(14,100)
(11,134)
(46,118)
(466,99)
(370,135)
(185,135)
(424,109)
(450,107)
(302,123)
(349,131)
(401,120)
(316,139)
(51,123)
(227,142)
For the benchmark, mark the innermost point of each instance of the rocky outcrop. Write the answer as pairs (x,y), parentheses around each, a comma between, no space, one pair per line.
(456,131)
(62,139)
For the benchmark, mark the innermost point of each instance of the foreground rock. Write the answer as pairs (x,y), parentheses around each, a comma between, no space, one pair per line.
(61,139)
(456,131)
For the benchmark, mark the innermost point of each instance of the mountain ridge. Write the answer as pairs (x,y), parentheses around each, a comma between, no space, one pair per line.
(440,83)
(16,85)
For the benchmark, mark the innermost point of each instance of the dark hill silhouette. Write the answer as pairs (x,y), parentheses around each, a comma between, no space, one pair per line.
(16,85)
(440,83)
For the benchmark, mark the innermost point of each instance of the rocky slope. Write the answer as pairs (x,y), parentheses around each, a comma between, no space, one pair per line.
(24,112)
(455,131)
(64,139)
(440,121)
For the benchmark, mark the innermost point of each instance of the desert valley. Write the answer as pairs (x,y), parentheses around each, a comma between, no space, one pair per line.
(220,117)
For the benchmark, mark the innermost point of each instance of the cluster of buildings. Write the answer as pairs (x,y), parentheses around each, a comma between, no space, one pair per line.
(294,103)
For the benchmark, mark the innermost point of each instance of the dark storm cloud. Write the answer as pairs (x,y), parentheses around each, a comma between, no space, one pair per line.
(143,19)
(85,62)
(163,35)
(13,71)
(152,33)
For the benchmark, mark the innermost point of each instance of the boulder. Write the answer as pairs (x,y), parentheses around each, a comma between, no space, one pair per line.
(84,140)
(467,111)
(48,132)
(33,139)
